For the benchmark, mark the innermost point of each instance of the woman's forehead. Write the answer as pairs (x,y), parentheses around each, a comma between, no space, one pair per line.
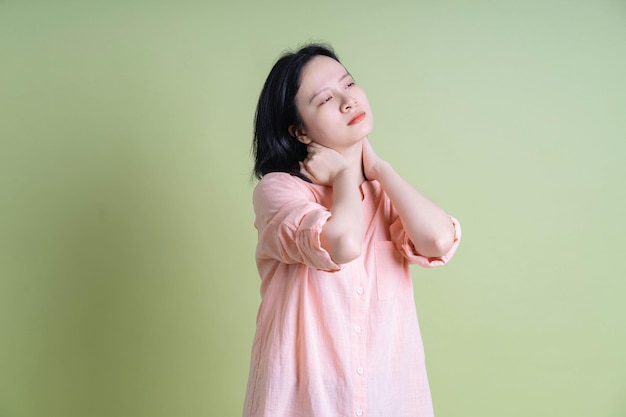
(320,72)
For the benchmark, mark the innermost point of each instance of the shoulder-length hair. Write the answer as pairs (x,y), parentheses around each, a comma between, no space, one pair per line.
(274,148)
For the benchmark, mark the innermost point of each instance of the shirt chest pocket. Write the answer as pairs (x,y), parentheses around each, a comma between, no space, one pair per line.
(391,270)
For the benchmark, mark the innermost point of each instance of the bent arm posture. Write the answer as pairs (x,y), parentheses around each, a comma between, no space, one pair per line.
(429,227)
(342,235)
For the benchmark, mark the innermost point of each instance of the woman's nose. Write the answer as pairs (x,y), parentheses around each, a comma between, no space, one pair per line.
(348,103)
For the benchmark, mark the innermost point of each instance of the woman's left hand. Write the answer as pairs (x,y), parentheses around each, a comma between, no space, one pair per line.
(371,162)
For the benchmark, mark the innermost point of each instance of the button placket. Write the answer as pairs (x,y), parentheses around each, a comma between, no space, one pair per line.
(359,317)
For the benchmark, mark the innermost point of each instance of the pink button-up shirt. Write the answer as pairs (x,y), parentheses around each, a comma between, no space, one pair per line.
(334,340)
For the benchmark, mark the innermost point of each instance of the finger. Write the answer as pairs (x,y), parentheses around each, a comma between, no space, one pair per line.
(367,148)
(312,151)
(367,144)
(304,171)
(315,145)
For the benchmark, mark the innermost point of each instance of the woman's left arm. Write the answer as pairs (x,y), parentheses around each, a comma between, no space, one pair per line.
(429,228)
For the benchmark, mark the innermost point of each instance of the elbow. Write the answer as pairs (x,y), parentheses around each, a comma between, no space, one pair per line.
(434,249)
(444,241)
(437,246)
(441,247)
(346,250)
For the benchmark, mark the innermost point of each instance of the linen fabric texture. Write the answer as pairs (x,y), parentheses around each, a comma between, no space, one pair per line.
(334,340)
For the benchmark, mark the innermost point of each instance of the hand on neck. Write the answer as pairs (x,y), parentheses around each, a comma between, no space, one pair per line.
(354,156)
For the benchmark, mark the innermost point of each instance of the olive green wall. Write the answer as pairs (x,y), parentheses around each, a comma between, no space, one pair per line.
(127,277)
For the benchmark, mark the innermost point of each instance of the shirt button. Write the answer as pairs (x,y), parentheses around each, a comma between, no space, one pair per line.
(360,371)
(359,290)
(357,329)
(359,412)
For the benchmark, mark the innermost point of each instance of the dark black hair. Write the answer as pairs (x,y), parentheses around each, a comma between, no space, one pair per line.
(275,150)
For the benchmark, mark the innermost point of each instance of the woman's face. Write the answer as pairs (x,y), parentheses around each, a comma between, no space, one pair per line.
(334,110)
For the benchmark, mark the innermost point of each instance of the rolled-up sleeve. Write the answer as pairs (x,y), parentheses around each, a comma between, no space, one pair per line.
(289,222)
(405,247)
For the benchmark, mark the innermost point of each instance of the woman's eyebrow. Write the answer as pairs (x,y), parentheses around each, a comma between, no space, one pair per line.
(347,74)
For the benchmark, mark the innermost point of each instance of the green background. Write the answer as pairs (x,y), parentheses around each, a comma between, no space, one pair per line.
(127,277)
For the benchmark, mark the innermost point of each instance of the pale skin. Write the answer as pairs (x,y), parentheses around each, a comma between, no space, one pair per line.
(336,122)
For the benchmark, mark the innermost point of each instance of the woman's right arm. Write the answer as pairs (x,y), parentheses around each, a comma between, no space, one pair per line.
(342,235)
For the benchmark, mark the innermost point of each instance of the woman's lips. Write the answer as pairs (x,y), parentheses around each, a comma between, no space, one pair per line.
(356,119)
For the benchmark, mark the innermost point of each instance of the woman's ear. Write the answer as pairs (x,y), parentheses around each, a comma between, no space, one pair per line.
(299,134)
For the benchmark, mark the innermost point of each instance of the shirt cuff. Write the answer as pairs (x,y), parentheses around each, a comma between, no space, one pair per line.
(407,249)
(309,242)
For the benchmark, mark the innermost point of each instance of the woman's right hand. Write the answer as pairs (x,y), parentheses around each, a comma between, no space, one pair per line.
(322,164)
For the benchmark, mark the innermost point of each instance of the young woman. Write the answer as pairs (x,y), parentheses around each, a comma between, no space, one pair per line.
(337,331)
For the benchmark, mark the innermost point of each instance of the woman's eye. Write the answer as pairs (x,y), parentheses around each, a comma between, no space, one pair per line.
(351,84)
(327,99)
